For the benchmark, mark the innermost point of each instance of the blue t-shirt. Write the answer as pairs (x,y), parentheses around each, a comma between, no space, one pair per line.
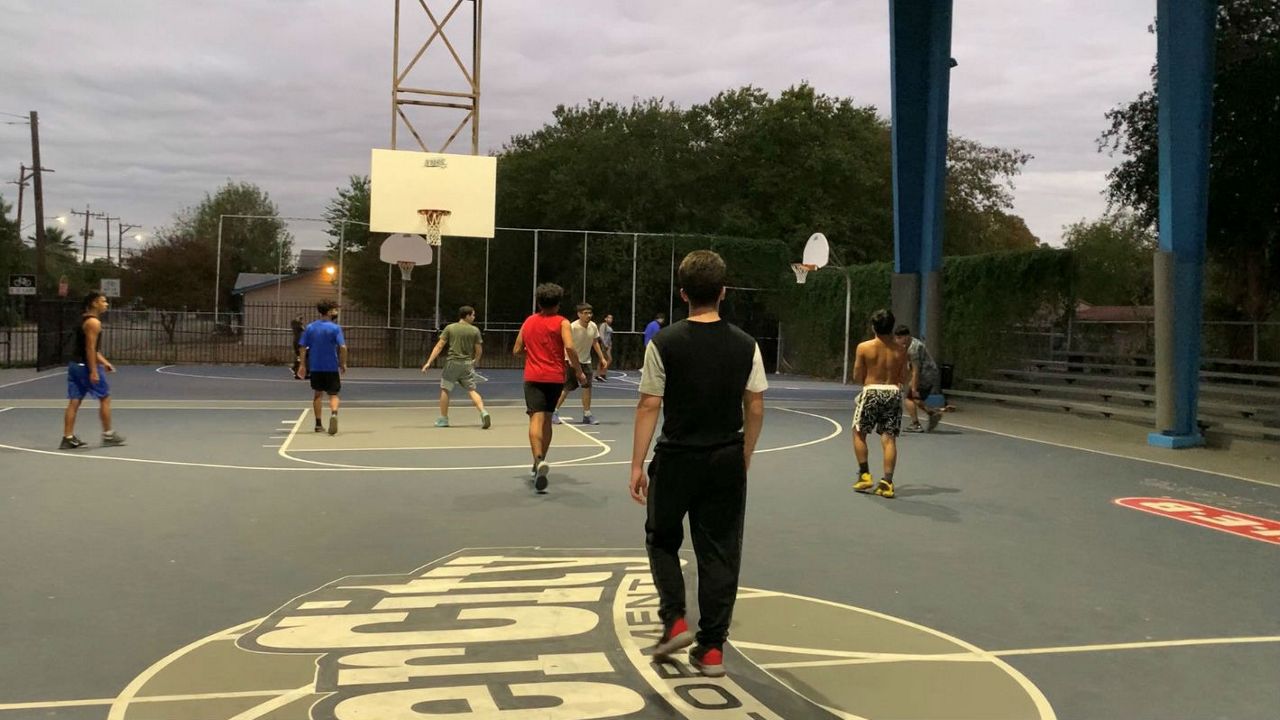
(322,339)
(650,330)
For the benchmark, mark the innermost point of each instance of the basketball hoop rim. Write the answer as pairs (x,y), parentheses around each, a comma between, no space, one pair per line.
(802,271)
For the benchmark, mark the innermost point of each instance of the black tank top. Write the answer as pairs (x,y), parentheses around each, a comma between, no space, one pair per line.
(82,343)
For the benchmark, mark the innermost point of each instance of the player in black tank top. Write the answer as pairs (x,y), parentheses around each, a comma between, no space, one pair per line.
(86,375)
(706,378)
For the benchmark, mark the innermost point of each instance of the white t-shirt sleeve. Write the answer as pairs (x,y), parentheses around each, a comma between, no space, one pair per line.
(653,378)
(756,381)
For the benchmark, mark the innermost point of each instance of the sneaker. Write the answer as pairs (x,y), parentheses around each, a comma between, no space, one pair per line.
(589,420)
(675,637)
(934,418)
(333,424)
(71,443)
(914,427)
(865,483)
(112,440)
(442,421)
(555,418)
(540,476)
(319,427)
(485,421)
(885,489)
(708,660)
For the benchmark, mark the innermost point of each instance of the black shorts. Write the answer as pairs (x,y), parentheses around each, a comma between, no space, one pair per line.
(541,396)
(571,377)
(326,381)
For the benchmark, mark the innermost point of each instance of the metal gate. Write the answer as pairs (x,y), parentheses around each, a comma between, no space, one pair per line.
(56,322)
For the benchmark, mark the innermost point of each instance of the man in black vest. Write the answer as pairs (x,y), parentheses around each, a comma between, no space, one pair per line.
(707,379)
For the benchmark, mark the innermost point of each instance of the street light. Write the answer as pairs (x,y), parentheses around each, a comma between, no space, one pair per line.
(330,271)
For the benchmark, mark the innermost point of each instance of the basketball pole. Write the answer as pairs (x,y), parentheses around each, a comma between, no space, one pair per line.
(403,283)
(848,299)
(635,252)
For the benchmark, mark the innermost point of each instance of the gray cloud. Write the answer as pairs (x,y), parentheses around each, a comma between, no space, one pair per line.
(146,105)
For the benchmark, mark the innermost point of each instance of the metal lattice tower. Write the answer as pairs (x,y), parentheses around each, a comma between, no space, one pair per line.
(405,96)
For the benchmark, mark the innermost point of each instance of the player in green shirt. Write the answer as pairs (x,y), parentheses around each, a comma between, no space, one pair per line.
(465,346)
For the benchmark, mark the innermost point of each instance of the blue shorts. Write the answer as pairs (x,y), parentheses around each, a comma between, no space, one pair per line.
(78,384)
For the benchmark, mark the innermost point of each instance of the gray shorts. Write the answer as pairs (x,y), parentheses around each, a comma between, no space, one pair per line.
(458,372)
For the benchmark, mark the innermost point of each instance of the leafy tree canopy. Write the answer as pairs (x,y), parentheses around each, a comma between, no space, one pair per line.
(1244,193)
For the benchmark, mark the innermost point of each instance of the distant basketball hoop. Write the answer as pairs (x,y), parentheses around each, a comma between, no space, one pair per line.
(433,219)
(406,268)
(802,271)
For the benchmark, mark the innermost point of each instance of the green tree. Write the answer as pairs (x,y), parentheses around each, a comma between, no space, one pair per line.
(12,249)
(364,274)
(1113,256)
(178,268)
(979,198)
(749,165)
(1243,237)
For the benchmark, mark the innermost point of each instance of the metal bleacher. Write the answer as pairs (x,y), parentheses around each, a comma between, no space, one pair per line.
(1237,398)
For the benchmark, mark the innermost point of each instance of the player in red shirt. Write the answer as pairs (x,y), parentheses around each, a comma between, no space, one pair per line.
(547,343)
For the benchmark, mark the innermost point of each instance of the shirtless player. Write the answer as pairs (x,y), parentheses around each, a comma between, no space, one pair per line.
(880,367)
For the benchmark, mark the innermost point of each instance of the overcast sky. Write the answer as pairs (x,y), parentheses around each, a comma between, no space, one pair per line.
(146,105)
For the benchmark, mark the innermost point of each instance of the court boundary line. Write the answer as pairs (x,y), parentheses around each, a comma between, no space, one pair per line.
(46,376)
(1108,453)
(337,467)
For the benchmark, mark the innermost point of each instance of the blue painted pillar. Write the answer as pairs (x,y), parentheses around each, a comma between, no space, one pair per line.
(921,77)
(1184,89)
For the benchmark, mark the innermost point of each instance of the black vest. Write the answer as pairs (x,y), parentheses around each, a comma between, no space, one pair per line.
(707,366)
(81,348)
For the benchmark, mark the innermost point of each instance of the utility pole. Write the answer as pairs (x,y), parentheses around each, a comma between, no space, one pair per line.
(22,186)
(38,182)
(108,218)
(24,174)
(122,228)
(86,233)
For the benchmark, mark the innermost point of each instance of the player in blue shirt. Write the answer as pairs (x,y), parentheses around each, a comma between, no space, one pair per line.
(324,357)
(653,327)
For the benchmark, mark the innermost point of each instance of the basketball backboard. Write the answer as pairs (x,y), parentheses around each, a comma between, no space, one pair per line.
(817,251)
(412,248)
(404,182)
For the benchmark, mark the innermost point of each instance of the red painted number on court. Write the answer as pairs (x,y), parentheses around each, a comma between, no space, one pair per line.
(1208,516)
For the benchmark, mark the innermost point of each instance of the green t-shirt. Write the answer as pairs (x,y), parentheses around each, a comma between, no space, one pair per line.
(462,339)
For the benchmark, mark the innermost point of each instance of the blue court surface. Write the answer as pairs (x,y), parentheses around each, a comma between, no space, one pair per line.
(230,562)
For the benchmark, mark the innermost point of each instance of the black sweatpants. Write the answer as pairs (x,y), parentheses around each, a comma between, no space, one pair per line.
(710,486)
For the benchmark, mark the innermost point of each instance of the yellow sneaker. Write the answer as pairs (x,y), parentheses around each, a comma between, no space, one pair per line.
(885,489)
(864,483)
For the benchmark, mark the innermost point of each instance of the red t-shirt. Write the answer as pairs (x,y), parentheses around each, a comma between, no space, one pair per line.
(543,348)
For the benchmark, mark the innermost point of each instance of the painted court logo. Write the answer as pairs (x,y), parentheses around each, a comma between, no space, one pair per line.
(539,634)
(560,638)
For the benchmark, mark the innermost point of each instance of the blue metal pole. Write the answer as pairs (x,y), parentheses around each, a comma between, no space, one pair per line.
(921,73)
(1184,87)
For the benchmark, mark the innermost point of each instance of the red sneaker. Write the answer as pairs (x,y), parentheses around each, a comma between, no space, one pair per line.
(675,637)
(708,660)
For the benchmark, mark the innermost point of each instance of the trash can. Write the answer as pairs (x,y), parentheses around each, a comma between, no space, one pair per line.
(947,374)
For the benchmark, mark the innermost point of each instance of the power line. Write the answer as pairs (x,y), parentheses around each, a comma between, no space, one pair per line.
(24,116)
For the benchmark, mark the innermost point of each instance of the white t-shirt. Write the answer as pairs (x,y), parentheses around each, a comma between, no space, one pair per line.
(583,338)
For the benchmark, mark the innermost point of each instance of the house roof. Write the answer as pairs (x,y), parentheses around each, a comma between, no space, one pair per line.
(253,281)
(1114,313)
(248,280)
(312,259)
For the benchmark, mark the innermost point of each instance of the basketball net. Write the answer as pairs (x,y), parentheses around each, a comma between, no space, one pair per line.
(802,271)
(406,268)
(433,218)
